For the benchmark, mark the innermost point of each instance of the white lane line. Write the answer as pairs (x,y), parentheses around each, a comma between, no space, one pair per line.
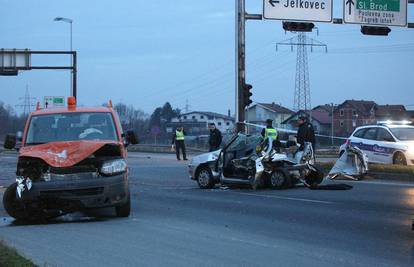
(402,184)
(287,198)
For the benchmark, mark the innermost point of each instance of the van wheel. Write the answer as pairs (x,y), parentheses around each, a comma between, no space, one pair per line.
(399,159)
(124,210)
(279,179)
(205,178)
(13,206)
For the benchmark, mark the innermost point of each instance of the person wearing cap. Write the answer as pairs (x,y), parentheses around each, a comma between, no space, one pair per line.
(178,142)
(215,137)
(305,133)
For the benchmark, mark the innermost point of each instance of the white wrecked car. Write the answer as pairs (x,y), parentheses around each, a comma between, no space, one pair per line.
(248,160)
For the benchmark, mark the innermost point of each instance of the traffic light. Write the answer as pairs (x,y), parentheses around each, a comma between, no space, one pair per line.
(247,94)
(298,26)
(371,30)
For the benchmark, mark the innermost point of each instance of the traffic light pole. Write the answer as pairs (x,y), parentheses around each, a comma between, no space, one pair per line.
(240,63)
(241,17)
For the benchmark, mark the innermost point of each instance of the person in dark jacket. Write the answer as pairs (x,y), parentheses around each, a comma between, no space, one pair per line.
(305,133)
(215,138)
(178,142)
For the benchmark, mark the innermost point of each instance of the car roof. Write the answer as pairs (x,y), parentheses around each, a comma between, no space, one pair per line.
(389,126)
(71,110)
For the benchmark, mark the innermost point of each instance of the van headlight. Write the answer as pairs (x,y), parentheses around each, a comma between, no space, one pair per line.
(114,167)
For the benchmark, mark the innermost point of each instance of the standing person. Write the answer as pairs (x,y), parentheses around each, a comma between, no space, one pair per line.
(306,133)
(215,138)
(178,142)
(269,131)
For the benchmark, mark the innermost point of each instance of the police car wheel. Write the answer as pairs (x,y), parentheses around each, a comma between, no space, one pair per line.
(205,178)
(399,159)
(279,179)
(12,205)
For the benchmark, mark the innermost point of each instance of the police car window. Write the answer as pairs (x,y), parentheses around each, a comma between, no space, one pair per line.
(384,135)
(403,134)
(360,133)
(370,134)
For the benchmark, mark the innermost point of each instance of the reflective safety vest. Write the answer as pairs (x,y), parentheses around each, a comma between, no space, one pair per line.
(270,132)
(179,135)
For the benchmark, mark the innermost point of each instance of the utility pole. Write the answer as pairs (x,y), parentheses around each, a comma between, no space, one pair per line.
(241,17)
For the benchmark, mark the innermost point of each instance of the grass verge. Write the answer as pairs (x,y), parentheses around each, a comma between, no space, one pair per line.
(10,257)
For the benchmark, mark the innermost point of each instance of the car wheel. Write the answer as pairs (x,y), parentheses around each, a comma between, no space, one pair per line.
(205,178)
(279,179)
(13,206)
(399,159)
(124,210)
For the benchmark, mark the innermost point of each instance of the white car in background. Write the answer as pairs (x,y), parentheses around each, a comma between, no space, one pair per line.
(387,143)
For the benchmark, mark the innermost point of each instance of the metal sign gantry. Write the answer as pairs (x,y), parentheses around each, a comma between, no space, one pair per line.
(14,60)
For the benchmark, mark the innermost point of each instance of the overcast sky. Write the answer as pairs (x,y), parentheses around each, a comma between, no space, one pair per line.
(145,53)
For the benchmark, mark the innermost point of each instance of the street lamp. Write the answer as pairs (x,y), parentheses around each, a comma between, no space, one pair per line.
(70,21)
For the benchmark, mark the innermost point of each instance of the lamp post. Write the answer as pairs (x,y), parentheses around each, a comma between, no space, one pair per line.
(70,21)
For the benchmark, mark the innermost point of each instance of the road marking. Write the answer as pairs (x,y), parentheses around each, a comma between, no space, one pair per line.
(396,183)
(286,198)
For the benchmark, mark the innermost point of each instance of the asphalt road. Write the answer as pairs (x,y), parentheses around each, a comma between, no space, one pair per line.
(174,223)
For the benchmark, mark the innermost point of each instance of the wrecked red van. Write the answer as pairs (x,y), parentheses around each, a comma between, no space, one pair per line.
(71,159)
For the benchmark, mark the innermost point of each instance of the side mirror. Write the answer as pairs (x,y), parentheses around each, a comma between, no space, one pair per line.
(10,141)
(131,138)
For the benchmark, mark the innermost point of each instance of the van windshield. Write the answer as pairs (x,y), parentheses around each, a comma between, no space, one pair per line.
(403,134)
(73,126)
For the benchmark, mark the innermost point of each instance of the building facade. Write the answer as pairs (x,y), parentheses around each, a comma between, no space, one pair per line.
(260,112)
(196,123)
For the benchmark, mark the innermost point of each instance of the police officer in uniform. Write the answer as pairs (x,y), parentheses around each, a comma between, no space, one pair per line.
(306,133)
(178,142)
(271,132)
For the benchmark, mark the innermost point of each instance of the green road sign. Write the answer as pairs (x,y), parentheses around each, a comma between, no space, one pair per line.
(376,12)
(379,5)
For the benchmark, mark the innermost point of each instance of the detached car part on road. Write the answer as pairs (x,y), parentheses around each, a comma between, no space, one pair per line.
(250,160)
(71,159)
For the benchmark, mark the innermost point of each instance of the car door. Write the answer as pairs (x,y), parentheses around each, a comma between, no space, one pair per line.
(384,149)
(367,141)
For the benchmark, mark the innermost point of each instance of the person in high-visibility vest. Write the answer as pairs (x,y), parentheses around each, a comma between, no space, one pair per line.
(271,132)
(178,142)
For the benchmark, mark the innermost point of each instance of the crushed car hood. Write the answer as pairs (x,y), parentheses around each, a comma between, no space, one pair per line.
(63,154)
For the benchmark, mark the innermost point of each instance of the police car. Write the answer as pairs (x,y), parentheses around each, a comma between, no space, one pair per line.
(387,142)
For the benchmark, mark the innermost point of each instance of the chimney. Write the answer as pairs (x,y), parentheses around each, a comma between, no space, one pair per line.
(229,113)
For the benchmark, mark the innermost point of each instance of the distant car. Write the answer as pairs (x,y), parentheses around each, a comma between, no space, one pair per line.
(385,143)
(71,159)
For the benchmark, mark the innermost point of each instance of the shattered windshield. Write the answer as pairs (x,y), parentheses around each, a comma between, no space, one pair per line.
(243,141)
(71,127)
(403,134)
